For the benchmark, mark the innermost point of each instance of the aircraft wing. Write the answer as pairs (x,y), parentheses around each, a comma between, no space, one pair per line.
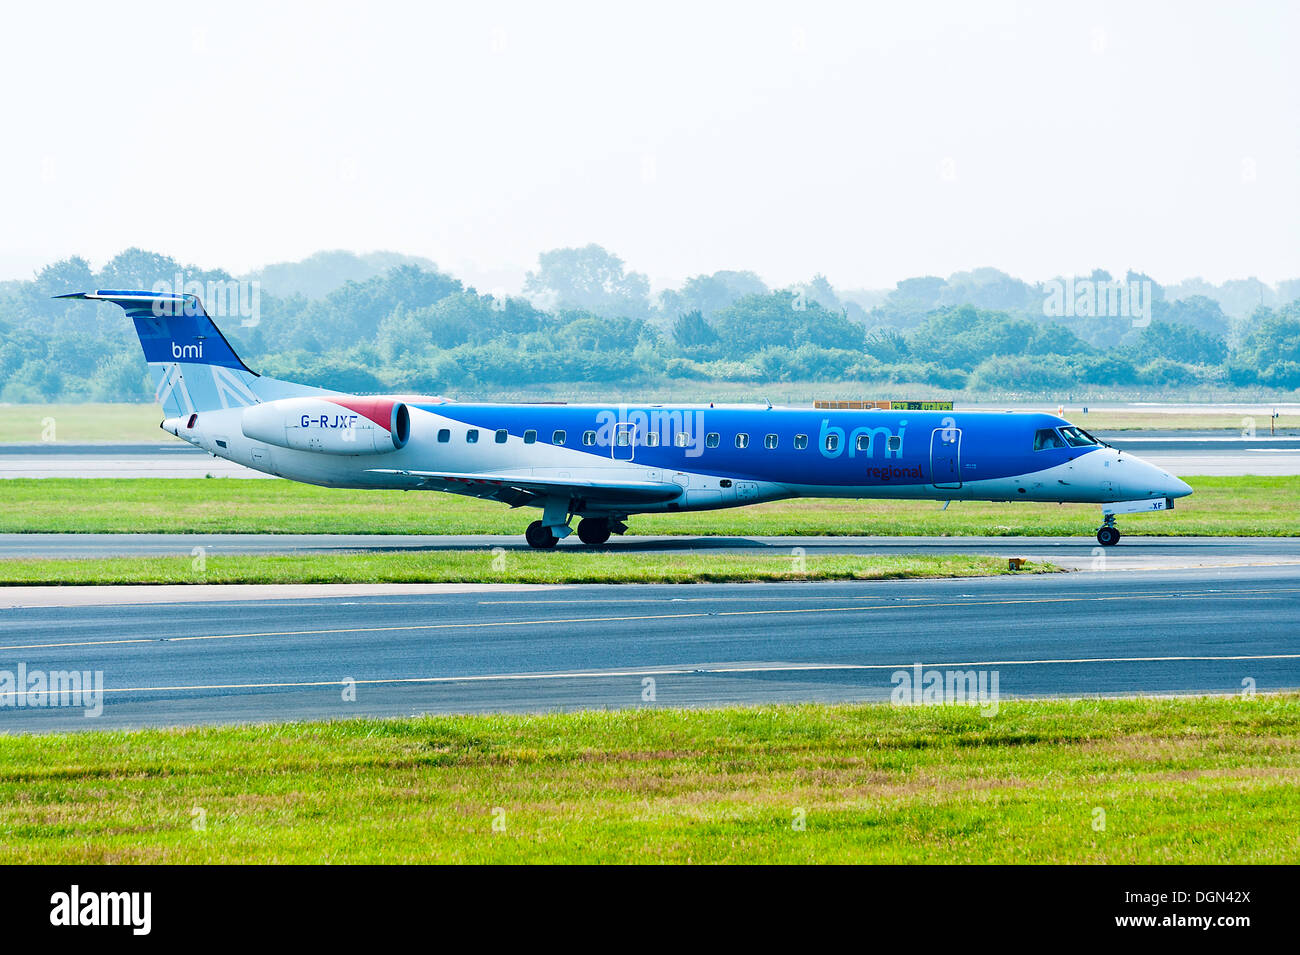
(519,489)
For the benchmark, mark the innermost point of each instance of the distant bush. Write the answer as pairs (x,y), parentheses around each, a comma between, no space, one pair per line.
(1021,373)
(1168,374)
(685,368)
(1103,368)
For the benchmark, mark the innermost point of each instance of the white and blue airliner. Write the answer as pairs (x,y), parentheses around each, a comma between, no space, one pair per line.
(601,464)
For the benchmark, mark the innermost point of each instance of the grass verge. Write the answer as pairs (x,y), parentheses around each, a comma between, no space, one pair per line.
(482,566)
(1090,781)
(1221,506)
(74,423)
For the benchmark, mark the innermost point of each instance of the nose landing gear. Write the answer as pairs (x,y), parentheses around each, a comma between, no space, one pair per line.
(1108,534)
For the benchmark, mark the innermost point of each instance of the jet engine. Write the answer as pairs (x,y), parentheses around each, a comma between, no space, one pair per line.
(343,424)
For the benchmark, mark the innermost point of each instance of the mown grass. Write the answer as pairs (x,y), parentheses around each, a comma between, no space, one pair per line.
(1090,781)
(75,423)
(1220,506)
(484,566)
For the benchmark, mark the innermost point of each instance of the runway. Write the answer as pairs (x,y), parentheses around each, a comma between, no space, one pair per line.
(1183,453)
(255,659)
(1073,553)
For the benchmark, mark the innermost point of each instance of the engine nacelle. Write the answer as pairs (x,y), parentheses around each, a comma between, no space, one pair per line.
(331,425)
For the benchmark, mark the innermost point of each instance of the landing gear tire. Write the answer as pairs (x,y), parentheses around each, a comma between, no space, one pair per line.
(1108,535)
(593,531)
(540,536)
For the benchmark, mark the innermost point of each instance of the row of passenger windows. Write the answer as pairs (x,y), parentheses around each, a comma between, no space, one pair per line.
(623,438)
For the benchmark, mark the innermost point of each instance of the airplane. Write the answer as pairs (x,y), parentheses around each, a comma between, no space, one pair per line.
(603,464)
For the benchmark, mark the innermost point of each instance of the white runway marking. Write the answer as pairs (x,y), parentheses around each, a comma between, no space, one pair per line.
(635,618)
(693,671)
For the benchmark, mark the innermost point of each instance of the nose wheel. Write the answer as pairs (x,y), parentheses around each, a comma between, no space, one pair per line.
(1108,534)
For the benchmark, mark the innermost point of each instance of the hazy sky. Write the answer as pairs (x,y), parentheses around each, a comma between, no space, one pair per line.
(870,143)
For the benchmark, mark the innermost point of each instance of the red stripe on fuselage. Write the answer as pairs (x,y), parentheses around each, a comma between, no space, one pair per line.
(378,410)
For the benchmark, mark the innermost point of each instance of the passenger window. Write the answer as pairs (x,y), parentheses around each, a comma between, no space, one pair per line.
(623,437)
(711,439)
(558,437)
(1045,439)
(895,443)
(770,442)
(471,436)
(681,439)
(652,439)
(864,442)
(502,434)
(742,440)
(832,442)
(530,437)
(588,438)
(800,442)
(444,435)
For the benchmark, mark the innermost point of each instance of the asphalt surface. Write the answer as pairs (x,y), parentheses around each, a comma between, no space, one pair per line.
(188,662)
(1075,553)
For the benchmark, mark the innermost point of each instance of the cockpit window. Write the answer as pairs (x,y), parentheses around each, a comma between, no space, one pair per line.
(1078,438)
(1046,439)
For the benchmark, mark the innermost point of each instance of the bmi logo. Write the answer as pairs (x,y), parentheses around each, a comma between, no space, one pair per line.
(187,352)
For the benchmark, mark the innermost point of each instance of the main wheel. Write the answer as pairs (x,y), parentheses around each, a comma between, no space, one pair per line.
(540,536)
(593,531)
(1107,536)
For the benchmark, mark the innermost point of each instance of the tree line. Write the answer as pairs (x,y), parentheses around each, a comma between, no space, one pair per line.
(585,319)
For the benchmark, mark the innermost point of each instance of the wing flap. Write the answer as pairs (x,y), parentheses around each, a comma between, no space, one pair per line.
(516,489)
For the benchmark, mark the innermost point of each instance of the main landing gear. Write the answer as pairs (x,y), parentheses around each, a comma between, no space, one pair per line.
(540,536)
(1108,534)
(592,531)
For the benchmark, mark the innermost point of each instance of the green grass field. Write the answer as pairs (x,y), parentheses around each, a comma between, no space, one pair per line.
(1089,781)
(1220,506)
(127,423)
(138,423)
(482,566)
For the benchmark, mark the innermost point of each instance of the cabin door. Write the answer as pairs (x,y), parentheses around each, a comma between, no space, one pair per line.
(945,458)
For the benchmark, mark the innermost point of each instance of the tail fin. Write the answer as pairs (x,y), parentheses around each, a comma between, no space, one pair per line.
(193,366)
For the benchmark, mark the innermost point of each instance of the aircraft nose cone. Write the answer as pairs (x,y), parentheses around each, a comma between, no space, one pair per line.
(1149,481)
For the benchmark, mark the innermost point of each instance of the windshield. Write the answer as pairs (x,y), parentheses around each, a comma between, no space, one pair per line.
(1078,438)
